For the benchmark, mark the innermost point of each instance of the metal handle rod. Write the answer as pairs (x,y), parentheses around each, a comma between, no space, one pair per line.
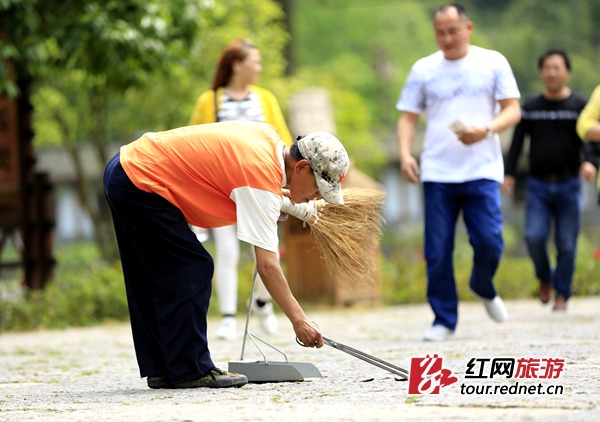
(252,336)
(380,363)
(249,312)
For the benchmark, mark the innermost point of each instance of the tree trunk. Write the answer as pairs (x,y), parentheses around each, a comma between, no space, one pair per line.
(83,185)
(105,236)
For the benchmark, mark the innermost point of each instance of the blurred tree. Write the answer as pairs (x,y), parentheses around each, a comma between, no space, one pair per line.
(109,70)
(534,26)
(166,101)
(380,38)
(81,49)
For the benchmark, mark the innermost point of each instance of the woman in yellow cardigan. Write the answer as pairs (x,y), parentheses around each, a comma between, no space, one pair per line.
(588,123)
(233,96)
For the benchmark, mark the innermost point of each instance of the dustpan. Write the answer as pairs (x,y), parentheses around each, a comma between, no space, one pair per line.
(266,370)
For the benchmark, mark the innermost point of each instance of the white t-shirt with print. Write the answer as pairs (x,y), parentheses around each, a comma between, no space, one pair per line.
(467,90)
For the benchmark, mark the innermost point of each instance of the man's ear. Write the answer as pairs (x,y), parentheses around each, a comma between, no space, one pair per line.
(302,165)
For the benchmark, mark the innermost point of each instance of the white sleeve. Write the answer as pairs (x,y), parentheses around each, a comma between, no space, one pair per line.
(506,84)
(257,214)
(412,98)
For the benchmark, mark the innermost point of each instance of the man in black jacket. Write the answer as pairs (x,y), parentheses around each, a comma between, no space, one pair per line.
(556,170)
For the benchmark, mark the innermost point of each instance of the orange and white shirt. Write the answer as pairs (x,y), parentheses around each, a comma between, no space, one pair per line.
(217,174)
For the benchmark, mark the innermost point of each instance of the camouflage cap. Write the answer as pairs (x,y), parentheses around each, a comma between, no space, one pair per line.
(329,161)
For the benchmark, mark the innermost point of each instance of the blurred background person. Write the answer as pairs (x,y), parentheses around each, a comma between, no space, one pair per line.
(233,96)
(555,173)
(588,125)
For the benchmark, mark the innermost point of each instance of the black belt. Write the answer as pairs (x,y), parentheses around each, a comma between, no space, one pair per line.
(556,178)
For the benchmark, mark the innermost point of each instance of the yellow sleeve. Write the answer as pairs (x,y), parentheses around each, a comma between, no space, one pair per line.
(273,114)
(204,109)
(590,114)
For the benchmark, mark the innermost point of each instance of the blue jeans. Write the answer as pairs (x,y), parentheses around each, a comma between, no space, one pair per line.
(479,201)
(562,201)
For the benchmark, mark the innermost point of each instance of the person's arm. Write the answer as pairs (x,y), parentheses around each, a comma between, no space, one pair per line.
(589,168)
(204,109)
(510,167)
(274,280)
(405,133)
(588,123)
(510,114)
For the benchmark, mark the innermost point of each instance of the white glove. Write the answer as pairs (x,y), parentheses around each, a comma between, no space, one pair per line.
(309,212)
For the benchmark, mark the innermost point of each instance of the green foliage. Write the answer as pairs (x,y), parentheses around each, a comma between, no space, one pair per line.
(167,102)
(403,270)
(536,26)
(354,120)
(84,292)
(117,41)
(368,46)
(60,102)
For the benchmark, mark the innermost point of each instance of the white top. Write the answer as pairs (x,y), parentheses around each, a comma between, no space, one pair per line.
(258,212)
(249,108)
(467,90)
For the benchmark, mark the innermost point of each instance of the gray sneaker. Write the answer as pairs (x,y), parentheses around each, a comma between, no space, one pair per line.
(216,378)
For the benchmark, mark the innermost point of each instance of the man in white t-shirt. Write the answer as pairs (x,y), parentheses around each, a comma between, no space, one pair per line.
(467,95)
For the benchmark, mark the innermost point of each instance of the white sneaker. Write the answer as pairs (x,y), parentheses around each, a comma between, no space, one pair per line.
(438,333)
(267,318)
(494,307)
(227,329)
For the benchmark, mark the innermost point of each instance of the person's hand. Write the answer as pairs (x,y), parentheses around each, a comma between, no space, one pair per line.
(308,334)
(471,134)
(410,169)
(318,205)
(587,171)
(508,187)
(313,211)
(308,212)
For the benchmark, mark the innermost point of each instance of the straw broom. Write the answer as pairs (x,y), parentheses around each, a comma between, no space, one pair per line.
(348,235)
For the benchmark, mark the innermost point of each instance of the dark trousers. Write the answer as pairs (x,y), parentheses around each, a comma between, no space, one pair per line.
(168,280)
(562,202)
(479,202)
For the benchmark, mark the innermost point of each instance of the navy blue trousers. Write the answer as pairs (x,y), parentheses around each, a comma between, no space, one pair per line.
(479,202)
(563,202)
(168,280)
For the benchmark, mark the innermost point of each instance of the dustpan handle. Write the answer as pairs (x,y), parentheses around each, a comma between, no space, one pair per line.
(249,312)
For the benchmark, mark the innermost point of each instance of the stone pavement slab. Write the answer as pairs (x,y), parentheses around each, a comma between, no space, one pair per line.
(90,374)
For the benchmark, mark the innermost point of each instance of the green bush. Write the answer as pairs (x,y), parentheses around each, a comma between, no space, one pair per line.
(403,268)
(84,291)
